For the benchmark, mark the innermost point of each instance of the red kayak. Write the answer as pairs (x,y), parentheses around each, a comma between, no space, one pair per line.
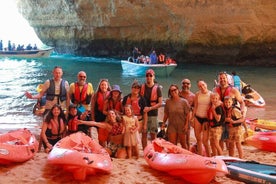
(263,140)
(165,156)
(17,146)
(79,154)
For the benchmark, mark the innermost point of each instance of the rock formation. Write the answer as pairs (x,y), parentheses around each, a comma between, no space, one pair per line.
(236,32)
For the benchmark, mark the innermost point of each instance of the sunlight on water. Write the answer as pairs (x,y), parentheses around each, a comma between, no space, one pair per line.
(19,75)
(14,27)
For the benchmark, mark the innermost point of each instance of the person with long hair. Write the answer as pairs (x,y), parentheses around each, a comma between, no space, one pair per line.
(201,127)
(53,127)
(97,107)
(176,112)
(130,122)
(115,128)
(114,101)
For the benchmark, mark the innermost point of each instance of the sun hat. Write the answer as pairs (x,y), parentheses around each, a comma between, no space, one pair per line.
(150,71)
(116,88)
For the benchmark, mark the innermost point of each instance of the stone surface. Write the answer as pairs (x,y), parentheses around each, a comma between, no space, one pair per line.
(212,31)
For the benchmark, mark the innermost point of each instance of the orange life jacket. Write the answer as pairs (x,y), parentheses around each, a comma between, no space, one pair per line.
(135,105)
(80,96)
(161,58)
(153,98)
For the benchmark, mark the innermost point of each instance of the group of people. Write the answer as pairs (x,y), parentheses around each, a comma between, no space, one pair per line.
(119,120)
(123,122)
(217,116)
(153,58)
(13,47)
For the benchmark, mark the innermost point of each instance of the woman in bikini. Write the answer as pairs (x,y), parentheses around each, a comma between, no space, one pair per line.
(202,103)
(115,128)
(53,127)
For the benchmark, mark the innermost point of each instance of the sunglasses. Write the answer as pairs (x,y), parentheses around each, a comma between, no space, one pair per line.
(82,76)
(173,90)
(149,75)
(136,87)
(186,83)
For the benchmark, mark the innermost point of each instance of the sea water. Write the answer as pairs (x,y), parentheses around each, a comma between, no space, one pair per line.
(20,75)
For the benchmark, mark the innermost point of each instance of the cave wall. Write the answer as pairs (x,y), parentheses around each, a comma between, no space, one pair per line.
(226,31)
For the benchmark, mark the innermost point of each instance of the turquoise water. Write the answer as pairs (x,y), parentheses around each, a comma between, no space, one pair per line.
(19,75)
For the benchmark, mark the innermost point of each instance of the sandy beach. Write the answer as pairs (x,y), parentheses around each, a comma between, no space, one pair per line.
(125,171)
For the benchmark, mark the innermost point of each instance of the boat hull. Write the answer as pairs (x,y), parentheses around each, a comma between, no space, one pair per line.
(139,69)
(17,146)
(165,156)
(27,53)
(79,154)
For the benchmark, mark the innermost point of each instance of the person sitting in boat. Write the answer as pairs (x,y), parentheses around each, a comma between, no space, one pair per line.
(35,47)
(142,59)
(53,128)
(169,61)
(29,47)
(10,46)
(135,54)
(161,58)
(153,57)
(116,129)
(1,45)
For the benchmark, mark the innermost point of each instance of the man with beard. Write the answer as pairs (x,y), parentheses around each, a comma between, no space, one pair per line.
(189,96)
(225,89)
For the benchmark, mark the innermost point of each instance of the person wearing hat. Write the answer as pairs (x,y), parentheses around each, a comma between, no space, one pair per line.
(114,101)
(153,95)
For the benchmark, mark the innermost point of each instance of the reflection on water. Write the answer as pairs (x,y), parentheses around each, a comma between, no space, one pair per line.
(17,76)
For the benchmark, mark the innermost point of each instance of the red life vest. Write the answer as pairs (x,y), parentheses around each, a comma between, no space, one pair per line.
(116,106)
(226,92)
(80,96)
(73,124)
(135,105)
(154,96)
(101,99)
(161,58)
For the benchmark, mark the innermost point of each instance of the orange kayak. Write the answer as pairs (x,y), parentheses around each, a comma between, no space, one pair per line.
(17,146)
(263,140)
(165,156)
(79,154)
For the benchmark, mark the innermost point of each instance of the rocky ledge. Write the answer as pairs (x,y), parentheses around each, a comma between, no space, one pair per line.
(238,32)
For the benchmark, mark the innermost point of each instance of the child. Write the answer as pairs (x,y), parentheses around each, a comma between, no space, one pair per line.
(73,116)
(234,119)
(131,131)
(216,117)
